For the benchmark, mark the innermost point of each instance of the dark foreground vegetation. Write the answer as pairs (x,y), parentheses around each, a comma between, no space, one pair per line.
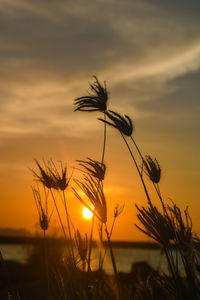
(28,281)
(50,274)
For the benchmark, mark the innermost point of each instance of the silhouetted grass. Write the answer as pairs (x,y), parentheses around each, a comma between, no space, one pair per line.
(67,273)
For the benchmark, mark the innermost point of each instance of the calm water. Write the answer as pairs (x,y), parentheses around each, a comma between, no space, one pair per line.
(124,257)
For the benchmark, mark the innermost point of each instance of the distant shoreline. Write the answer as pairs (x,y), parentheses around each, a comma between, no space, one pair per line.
(37,240)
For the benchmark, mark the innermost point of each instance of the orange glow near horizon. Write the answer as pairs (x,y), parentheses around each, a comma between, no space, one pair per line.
(87,214)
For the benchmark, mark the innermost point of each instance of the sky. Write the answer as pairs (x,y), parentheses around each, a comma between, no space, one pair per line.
(148,52)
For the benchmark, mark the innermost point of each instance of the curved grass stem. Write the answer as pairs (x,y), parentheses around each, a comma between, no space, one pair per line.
(46,263)
(58,213)
(118,292)
(111,252)
(104,141)
(135,162)
(104,255)
(136,146)
(90,243)
(93,218)
(69,229)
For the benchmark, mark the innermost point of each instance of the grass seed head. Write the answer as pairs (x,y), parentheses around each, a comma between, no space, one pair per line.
(60,177)
(123,124)
(118,210)
(95,101)
(156,225)
(93,168)
(152,169)
(42,208)
(182,228)
(44,176)
(82,245)
(44,223)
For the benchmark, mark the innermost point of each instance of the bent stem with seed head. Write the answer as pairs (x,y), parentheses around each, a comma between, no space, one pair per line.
(125,127)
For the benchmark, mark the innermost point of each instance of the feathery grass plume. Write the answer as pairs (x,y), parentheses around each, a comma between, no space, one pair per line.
(170,230)
(82,246)
(60,178)
(94,168)
(123,124)
(95,101)
(118,210)
(42,208)
(93,189)
(183,230)
(157,225)
(152,169)
(44,176)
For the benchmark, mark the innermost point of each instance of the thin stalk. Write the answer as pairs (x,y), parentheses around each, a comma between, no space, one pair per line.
(90,243)
(144,186)
(93,218)
(69,229)
(61,223)
(104,141)
(175,276)
(160,197)
(189,273)
(83,265)
(102,161)
(156,186)
(170,265)
(136,146)
(118,292)
(111,252)
(101,241)
(46,263)
(103,258)
(140,153)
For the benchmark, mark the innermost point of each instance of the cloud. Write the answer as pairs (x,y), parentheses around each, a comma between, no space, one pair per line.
(48,54)
(64,40)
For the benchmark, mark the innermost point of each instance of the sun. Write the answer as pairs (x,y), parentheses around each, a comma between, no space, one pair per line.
(87,213)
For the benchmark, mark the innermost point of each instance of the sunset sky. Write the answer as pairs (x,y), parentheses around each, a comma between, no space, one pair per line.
(149,54)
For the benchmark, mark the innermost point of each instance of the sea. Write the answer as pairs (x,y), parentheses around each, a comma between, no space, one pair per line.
(125,257)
